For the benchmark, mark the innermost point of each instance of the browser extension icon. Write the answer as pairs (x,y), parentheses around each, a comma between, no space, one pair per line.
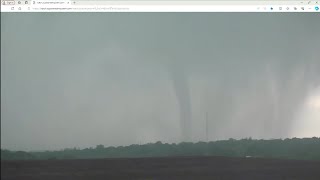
(316,8)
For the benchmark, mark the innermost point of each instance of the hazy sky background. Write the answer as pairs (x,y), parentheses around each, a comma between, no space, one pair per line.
(78,80)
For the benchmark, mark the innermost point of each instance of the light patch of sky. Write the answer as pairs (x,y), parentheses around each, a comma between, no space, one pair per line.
(308,120)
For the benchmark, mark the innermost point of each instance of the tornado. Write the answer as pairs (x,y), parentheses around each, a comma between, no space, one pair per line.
(182,92)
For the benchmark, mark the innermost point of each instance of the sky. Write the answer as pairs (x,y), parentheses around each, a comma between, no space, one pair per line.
(82,79)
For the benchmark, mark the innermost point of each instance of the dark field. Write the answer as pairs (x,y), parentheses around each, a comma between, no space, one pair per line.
(219,168)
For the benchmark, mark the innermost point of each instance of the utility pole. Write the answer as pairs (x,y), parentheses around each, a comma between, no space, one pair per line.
(207,145)
(207,126)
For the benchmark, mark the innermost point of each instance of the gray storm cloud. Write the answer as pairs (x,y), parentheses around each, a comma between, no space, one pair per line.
(119,79)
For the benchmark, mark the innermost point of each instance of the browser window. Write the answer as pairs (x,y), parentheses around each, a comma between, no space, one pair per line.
(162,6)
(160,89)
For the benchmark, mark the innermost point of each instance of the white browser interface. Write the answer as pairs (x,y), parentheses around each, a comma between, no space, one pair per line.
(159,6)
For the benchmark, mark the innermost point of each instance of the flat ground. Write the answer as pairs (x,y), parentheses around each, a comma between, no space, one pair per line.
(216,168)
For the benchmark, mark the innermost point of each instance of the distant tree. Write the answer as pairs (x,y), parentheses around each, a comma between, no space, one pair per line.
(100,147)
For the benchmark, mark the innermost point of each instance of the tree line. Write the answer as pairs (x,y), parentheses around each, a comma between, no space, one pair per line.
(295,148)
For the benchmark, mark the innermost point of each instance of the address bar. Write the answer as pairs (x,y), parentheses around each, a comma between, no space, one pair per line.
(158,8)
(84,8)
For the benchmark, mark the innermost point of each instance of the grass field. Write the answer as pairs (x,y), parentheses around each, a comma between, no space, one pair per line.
(219,168)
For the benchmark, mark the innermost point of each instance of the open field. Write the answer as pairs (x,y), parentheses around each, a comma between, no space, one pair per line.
(219,168)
